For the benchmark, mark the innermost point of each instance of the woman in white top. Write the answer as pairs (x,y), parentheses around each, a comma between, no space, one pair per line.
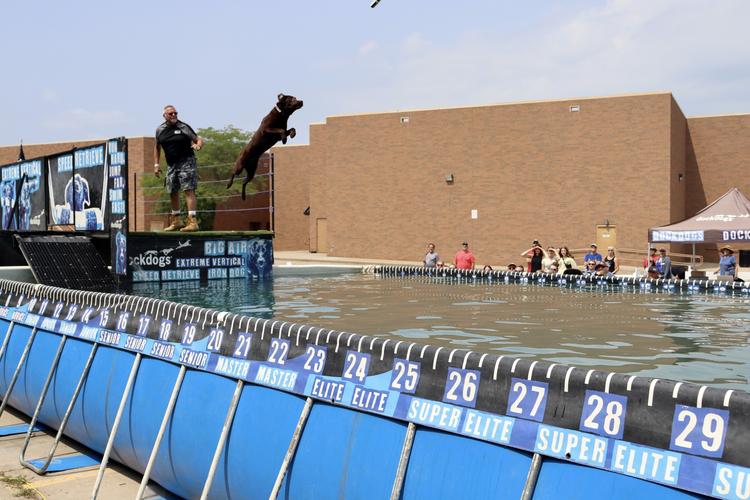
(550,259)
(566,261)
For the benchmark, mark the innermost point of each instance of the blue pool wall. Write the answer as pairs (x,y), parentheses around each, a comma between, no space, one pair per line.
(342,452)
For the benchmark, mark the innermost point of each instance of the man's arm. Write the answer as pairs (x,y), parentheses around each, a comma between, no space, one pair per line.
(157,154)
(196,142)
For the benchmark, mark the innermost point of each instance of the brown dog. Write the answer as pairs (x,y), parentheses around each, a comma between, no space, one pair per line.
(271,130)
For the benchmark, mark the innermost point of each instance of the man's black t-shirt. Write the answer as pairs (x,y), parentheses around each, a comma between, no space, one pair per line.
(176,141)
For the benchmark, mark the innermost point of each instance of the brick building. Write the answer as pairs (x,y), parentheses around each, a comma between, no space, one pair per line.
(565,172)
(232,214)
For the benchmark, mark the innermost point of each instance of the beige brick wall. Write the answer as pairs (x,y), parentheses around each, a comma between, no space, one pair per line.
(677,184)
(292,168)
(531,170)
(718,159)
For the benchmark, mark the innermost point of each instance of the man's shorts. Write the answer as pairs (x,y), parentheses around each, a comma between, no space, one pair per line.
(182,176)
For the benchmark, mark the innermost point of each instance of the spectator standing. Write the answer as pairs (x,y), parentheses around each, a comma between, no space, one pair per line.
(534,256)
(592,255)
(613,263)
(727,262)
(431,258)
(665,264)
(464,259)
(566,261)
(550,260)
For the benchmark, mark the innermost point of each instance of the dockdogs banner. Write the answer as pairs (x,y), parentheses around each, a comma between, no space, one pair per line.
(185,257)
(22,196)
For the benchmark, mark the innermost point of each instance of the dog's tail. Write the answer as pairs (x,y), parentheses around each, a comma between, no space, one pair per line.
(231,180)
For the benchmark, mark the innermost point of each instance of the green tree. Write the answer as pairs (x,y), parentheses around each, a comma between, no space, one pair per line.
(221,147)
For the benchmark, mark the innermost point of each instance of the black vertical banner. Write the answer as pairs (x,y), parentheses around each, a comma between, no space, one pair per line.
(10,175)
(59,178)
(33,197)
(86,193)
(22,186)
(117,204)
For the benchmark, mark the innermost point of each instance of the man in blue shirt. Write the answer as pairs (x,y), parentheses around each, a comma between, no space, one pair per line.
(664,264)
(727,262)
(592,255)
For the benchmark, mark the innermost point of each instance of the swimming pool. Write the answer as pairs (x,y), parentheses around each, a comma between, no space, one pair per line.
(694,337)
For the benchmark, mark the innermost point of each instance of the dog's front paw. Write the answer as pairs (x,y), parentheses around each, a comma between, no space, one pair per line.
(292,132)
(283,139)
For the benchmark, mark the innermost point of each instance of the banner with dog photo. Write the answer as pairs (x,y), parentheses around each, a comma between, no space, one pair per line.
(78,188)
(89,188)
(22,196)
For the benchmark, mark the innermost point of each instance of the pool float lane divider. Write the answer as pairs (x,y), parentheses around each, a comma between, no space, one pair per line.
(689,437)
(567,280)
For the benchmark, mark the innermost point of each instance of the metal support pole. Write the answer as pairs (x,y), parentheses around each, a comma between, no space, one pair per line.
(13,380)
(398,483)
(531,477)
(115,426)
(43,469)
(42,396)
(222,438)
(692,257)
(292,448)
(160,434)
(6,339)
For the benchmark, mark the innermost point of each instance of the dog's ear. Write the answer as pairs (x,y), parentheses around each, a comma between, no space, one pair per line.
(280,97)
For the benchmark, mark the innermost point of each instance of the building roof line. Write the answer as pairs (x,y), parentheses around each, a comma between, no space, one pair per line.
(103,139)
(538,101)
(722,115)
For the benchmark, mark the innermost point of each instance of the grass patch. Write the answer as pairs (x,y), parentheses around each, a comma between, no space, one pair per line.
(20,485)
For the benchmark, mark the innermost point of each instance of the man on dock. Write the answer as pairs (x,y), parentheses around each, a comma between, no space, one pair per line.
(179,142)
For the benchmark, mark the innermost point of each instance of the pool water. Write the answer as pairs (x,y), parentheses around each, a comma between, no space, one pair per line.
(692,337)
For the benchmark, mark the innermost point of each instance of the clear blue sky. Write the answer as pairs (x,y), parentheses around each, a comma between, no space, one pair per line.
(86,69)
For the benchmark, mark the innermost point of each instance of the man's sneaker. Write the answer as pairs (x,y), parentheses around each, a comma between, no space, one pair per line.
(175,223)
(192,225)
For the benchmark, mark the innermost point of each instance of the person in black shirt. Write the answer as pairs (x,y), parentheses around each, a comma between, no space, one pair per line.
(179,142)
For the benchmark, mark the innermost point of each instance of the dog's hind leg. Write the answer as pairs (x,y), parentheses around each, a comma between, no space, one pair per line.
(244,185)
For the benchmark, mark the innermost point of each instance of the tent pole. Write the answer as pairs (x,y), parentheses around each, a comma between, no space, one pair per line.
(692,257)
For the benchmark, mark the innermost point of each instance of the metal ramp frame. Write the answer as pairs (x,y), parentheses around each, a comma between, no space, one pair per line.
(66,261)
